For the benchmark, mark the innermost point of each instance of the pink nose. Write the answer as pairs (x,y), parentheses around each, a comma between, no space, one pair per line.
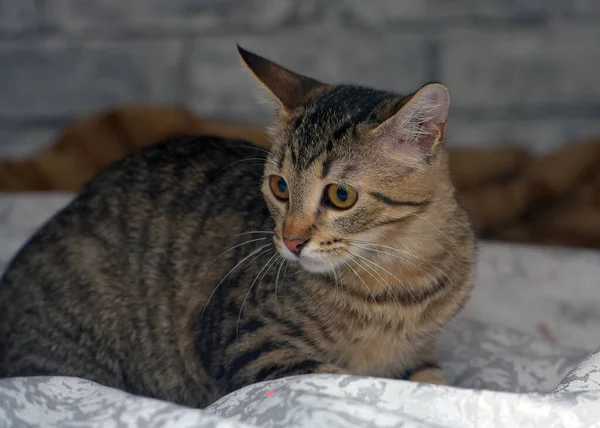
(294,245)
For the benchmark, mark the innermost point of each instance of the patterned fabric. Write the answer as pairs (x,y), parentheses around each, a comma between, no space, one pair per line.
(344,401)
(504,373)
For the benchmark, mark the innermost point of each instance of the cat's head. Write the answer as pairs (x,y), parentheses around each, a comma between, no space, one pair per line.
(350,167)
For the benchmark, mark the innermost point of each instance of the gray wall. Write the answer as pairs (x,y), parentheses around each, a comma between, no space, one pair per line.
(526,70)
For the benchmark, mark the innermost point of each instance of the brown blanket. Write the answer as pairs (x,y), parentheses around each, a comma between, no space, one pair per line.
(510,194)
(551,199)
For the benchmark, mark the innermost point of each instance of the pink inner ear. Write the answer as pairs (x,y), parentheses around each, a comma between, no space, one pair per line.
(415,129)
(414,149)
(411,142)
(429,131)
(418,134)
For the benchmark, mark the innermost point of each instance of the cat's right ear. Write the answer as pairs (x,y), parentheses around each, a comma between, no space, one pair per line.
(289,89)
(419,126)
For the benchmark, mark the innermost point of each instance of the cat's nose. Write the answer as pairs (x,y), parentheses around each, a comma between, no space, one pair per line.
(295,245)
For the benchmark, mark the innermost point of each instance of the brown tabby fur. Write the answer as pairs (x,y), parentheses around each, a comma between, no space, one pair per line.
(167,276)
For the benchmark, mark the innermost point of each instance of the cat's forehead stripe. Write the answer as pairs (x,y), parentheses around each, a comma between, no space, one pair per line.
(345,99)
(329,118)
(280,157)
(326,168)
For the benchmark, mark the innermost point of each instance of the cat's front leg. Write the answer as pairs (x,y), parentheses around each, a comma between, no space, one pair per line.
(425,367)
(271,368)
(296,366)
(428,372)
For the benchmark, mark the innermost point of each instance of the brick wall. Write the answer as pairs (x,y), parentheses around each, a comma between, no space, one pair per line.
(524,70)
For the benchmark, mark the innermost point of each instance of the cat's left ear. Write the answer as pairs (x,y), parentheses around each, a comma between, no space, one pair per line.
(291,90)
(419,126)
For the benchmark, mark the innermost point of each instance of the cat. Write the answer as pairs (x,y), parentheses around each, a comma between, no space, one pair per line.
(90,144)
(200,265)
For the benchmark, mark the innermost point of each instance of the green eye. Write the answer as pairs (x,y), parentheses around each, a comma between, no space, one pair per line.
(279,187)
(341,197)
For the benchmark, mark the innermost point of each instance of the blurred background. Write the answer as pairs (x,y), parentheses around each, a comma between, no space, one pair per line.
(524,71)
(523,77)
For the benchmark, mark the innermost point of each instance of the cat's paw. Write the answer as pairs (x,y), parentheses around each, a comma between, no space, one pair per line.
(433,375)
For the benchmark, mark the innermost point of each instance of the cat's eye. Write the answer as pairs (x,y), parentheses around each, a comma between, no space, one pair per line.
(341,197)
(279,187)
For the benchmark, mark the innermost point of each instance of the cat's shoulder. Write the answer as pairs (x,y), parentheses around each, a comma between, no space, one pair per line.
(199,147)
(200,153)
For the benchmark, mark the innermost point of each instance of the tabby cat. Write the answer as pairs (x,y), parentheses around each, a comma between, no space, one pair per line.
(201,265)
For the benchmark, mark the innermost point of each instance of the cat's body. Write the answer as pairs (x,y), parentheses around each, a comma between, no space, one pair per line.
(166,276)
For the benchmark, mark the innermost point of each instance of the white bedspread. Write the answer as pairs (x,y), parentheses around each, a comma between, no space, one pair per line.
(511,356)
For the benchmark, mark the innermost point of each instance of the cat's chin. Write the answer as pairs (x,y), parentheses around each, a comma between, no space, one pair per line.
(315,265)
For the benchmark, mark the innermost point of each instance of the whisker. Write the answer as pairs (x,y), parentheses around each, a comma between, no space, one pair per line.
(285,272)
(338,285)
(400,258)
(404,286)
(381,281)
(228,273)
(390,290)
(233,248)
(270,232)
(241,168)
(359,277)
(260,149)
(268,269)
(237,326)
(358,262)
(363,258)
(241,161)
(410,253)
(433,225)
(369,272)
(262,163)
(335,280)
(283,260)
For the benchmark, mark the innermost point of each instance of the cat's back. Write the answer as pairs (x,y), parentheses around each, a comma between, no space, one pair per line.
(117,265)
(167,189)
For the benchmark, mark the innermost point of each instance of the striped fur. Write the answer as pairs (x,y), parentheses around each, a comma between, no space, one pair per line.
(167,276)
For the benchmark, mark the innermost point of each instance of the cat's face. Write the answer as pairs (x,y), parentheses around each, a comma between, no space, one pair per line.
(349,166)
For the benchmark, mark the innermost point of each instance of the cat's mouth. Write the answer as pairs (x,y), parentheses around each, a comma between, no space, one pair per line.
(312,260)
